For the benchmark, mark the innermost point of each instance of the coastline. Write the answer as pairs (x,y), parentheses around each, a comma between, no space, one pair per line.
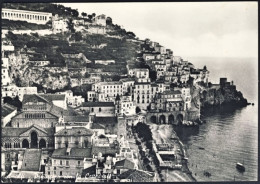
(165,134)
(185,165)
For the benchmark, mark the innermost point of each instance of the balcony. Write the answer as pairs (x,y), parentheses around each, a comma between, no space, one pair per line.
(79,166)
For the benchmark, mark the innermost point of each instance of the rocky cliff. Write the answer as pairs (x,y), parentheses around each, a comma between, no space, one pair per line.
(221,96)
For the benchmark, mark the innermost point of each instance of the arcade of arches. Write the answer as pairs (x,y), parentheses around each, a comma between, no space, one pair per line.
(27,138)
(166,118)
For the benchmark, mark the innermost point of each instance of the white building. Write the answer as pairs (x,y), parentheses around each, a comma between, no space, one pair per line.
(107,91)
(160,70)
(28,16)
(92,96)
(40,63)
(5,62)
(184,78)
(5,76)
(7,46)
(139,72)
(10,90)
(96,29)
(186,96)
(100,20)
(91,80)
(59,25)
(72,100)
(161,49)
(104,62)
(128,84)
(148,56)
(142,94)
(21,91)
(125,106)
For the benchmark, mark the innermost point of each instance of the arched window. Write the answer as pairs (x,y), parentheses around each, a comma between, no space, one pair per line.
(92,109)
(99,109)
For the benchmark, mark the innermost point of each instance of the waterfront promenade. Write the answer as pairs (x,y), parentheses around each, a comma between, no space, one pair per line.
(165,134)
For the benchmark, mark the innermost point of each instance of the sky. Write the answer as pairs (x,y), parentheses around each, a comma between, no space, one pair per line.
(201,29)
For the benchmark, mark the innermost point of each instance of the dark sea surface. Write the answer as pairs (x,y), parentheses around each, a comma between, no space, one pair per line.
(230,135)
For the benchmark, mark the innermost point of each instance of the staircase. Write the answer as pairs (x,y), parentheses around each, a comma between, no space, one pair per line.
(32,160)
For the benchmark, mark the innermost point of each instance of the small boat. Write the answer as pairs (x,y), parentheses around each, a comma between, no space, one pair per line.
(201,148)
(240,167)
(206,173)
(185,158)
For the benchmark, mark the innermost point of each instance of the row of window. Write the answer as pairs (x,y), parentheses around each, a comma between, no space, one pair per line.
(54,172)
(111,91)
(138,97)
(23,16)
(175,104)
(61,163)
(9,145)
(112,87)
(92,95)
(127,105)
(138,101)
(99,109)
(138,86)
(33,116)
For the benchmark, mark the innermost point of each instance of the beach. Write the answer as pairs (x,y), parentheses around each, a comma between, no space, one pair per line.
(166,134)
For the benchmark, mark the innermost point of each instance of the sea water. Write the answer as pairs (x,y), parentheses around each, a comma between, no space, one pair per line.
(230,135)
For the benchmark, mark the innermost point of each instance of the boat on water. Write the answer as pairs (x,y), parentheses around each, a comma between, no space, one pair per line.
(240,167)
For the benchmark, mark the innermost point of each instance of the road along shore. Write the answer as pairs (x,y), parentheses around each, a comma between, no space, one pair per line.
(166,134)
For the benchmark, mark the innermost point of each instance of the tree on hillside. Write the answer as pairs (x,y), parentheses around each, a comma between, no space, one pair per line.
(130,34)
(83,14)
(10,35)
(137,110)
(93,15)
(209,84)
(90,17)
(15,102)
(74,13)
(205,67)
(109,21)
(78,36)
(143,130)
(71,26)
(152,75)
(67,11)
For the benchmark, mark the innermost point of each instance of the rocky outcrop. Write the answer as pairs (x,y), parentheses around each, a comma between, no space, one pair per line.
(213,97)
(24,74)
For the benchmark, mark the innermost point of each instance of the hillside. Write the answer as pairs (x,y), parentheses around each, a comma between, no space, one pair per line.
(65,72)
(115,45)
